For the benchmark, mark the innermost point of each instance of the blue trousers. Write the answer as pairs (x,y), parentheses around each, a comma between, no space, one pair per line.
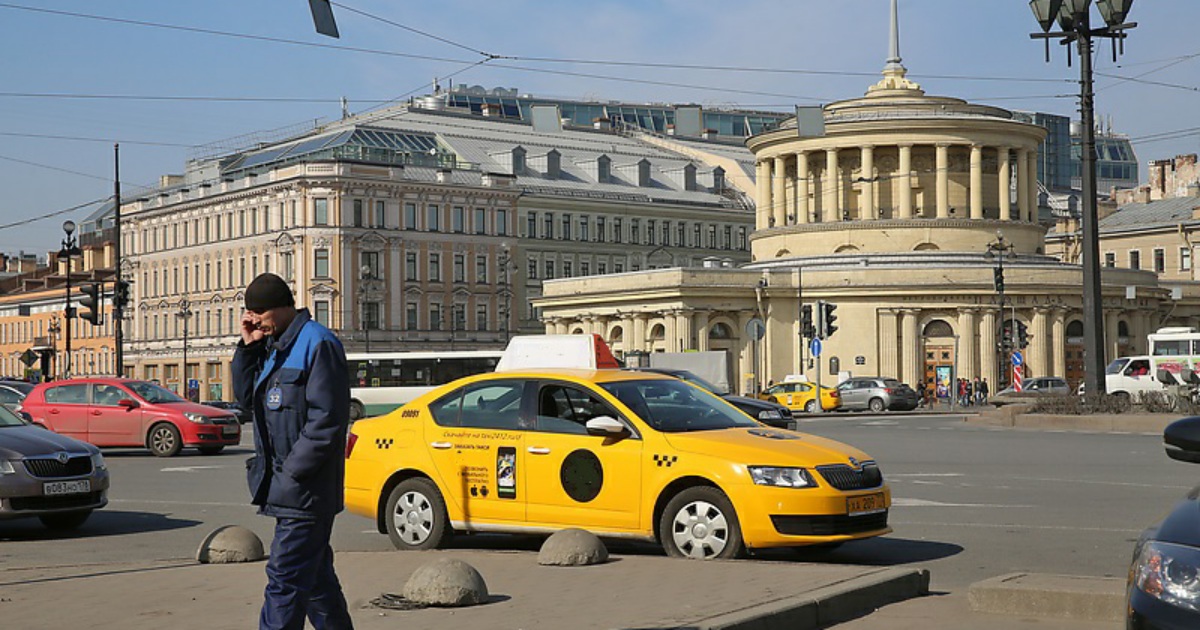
(300,579)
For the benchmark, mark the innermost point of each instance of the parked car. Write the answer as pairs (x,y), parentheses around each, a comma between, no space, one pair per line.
(1040,385)
(765,411)
(124,412)
(52,477)
(877,394)
(242,415)
(1161,589)
(802,396)
(13,392)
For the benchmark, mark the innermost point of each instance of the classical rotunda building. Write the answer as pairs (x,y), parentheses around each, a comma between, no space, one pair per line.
(899,209)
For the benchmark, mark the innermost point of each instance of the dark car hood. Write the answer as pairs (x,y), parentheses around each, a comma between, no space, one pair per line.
(26,441)
(753,403)
(1182,525)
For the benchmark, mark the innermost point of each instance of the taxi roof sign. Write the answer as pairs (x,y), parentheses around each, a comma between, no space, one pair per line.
(529,352)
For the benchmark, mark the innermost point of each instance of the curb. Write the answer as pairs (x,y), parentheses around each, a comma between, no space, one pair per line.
(1047,595)
(828,605)
(1105,423)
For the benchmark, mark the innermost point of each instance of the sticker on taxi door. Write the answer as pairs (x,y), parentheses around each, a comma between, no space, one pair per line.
(506,472)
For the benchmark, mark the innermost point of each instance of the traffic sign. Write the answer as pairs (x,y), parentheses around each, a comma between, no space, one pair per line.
(756,329)
(815,347)
(1018,359)
(29,357)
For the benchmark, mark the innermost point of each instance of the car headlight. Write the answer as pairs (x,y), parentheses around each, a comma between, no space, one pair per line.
(781,477)
(6,467)
(98,462)
(198,418)
(1169,573)
(768,414)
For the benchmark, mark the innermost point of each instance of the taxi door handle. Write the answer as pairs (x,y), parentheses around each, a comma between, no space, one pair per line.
(441,445)
(538,450)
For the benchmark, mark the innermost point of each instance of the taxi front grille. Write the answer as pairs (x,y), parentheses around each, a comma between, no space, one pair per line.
(52,468)
(829,525)
(844,477)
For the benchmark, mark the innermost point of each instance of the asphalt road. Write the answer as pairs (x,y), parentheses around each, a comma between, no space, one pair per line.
(970,503)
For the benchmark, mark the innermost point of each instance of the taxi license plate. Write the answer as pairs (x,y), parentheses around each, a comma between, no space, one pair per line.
(229,429)
(865,504)
(52,488)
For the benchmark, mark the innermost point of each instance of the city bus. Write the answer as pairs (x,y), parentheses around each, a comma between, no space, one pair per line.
(383,381)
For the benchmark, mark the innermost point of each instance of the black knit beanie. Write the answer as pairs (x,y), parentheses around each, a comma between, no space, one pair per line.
(268,291)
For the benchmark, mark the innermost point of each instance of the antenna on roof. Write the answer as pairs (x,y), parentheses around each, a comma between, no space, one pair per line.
(345,108)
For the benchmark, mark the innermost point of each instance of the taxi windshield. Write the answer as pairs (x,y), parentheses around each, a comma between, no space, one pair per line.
(672,406)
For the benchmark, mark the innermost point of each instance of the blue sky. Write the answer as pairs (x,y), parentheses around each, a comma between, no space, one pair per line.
(944,43)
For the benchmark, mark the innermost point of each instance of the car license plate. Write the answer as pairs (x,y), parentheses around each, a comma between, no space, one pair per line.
(865,504)
(229,429)
(51,488)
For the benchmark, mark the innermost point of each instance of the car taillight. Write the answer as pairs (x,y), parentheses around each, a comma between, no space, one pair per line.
(834,393)
(887,390)
(351,440)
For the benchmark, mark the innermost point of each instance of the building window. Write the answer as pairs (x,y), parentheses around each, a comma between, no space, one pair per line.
(1135,259)
(600,230)
(531,225)
(585,269)
(435,267)
(459,316)
(435,316)
(320,213)
(666,233)
(320,263)
(410,316)
(616,230)
(460,268)
(1160,261)
(567,269)
(601,268)
(635,232)
(410,266)
(566,227)
(481,274)
(1110,259)
(712,237)
(380,214)
(371,315)
(741,244)
(433,218)
(321,312)
(481,317)
(410,216)
(358,213)
(549,266)
(1185,259)
(618,267)
(533,268)
(480,221)
(458,219)
(696,242)
(502,222)
(583,229)
(293,222)
(370,263)
(650,234)
(728,244)
(548,226)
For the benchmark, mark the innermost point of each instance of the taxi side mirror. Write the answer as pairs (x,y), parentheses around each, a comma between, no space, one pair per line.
(606,425)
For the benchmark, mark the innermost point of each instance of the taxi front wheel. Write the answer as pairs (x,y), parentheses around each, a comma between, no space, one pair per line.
(416,515)
(700,523)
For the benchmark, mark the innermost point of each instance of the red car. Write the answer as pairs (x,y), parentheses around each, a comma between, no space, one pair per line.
(124,412)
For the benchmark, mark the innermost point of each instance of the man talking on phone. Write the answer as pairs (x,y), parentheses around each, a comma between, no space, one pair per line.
(290,372)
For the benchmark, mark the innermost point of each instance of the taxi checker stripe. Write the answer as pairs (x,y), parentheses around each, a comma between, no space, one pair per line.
(383,442)
(665,460)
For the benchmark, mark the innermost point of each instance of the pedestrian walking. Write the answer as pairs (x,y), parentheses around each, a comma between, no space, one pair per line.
(983,391)
(976,392)
(290,373)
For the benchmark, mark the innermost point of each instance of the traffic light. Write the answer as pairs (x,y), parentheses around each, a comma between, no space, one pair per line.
(998,279)
(92,294)
(827,319)
(1022,335)
(121,293)
(806,322)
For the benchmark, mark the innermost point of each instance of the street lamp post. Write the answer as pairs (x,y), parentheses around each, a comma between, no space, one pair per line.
(185,313)
(1074,18)
(997,248)
(70,249)
(53,329)
(365,277)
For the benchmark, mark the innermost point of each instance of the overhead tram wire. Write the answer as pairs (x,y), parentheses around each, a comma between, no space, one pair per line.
(67,171)
(47,136)
(197,98)
(56,213)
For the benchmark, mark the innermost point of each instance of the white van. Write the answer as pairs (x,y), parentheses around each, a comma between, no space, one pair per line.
(1131,376)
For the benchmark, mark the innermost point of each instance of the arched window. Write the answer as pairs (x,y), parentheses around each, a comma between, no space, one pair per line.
(658,332)
(938,328)
(719,331)
(926,247)
(577,331)
(1075,329)
(615,335)
(844,249)
(1122,329)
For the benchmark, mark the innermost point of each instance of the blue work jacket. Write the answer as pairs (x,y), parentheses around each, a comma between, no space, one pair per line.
(297,387)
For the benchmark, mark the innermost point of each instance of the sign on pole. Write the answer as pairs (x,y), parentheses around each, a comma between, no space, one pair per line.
(1018,361)
(815,347)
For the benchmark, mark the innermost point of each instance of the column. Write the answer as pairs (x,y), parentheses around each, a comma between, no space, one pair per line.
(1022,184)
(832,209)
(1111,327)
(976,181)
(910,340)
(779,193)
(942,166)
(763,203)
(638,342)
(802,204)
(627,334)
(1004,179)
(968,343)
(701,323)
(746,366)
(987,349)
(1039,360)
(905,192)
(683,329)
(670,334)
(868,211)
(1032,217)
(888,341)
(1059,342)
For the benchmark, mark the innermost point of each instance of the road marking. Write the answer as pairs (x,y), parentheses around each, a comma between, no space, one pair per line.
(922,482)
(190,468)
(903,502)
(1098,483)
(880,423)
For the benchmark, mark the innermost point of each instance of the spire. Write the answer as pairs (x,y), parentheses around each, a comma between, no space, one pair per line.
(893,82)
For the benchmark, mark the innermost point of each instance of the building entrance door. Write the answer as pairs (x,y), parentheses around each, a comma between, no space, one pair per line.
(939,370)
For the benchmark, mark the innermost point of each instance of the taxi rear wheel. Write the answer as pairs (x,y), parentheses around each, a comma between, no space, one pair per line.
(416,515)
(700,523)
(810,406)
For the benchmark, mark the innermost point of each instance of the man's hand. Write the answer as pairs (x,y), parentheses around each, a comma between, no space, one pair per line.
(250,330)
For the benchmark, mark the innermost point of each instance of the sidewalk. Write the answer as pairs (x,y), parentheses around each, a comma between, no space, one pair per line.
(628,592)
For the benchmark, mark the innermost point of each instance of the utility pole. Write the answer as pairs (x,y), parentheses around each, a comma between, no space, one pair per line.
(118,306)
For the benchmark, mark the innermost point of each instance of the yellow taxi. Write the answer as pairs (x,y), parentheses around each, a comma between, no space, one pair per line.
(622,454)
(802,396)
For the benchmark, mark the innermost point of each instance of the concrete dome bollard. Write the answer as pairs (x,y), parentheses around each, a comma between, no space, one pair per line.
(572,548)
(229,544)
(446,582)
